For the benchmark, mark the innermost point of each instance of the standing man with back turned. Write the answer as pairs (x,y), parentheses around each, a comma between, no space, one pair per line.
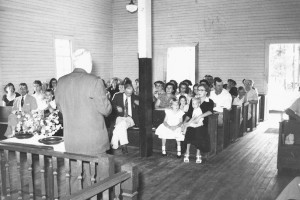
(80,96)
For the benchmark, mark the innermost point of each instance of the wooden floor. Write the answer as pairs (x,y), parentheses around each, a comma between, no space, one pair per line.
(245,170)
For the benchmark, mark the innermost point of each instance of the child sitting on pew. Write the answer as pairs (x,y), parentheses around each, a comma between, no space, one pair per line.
(171,127)
(194,122)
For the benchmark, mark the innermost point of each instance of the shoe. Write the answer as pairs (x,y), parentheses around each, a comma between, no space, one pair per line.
(186,158)
(124,149)
(164,153)
(198,159)
(178,154)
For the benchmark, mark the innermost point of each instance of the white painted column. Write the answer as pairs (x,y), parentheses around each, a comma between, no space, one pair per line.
(144,29)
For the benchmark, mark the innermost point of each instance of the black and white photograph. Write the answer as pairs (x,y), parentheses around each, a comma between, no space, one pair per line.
(150,99)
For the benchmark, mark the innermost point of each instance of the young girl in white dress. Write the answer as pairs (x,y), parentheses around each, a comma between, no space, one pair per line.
(171,127)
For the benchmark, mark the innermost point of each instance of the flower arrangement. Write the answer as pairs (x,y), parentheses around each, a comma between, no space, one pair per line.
(50,124)
(37,123)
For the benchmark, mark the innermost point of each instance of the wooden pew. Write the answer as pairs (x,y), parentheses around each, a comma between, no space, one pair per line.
(38,172)
(235,122)
(252,121)
(4,112)
(262,107)
(288,156)
(245,108)
(223,134)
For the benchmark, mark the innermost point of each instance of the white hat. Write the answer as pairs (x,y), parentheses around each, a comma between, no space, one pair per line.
(82,59)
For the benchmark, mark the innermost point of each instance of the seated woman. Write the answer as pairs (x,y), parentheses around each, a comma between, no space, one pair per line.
(175,86)
(24,103)
(199,136)
(195,90)
(53,84)
(38,94)
(241,98)
(113,88)
(184,91)
(163,100)
(10,96)
(159,90)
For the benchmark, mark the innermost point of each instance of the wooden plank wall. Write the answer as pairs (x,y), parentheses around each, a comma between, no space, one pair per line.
(231,35)
(125,41)
(28,29)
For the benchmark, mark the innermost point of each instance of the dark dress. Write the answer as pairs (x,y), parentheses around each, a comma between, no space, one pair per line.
(7,102)
(199,136)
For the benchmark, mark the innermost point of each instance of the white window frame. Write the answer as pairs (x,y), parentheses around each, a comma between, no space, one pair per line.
(70,38)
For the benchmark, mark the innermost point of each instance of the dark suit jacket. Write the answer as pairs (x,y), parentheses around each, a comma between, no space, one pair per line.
(81,99)
(118,100)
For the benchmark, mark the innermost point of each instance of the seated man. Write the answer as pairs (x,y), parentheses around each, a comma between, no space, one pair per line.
(221,98)
(294,110)
(25,103)
(251,95)
(126,106)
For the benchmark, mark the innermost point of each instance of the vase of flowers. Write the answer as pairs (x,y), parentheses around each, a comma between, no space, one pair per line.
(35,123)
(27,124)
(50,125)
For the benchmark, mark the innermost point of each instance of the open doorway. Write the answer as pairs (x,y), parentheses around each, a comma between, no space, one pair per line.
(284,75)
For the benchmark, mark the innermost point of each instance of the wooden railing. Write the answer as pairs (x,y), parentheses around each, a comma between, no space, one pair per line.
(34,172)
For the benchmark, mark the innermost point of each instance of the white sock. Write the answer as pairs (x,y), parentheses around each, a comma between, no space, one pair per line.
(178,150)
(163,148)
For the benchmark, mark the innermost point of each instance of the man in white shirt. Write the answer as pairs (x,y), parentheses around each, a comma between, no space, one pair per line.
(221,98)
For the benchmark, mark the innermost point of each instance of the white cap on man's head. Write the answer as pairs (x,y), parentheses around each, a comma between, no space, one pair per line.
(82,59)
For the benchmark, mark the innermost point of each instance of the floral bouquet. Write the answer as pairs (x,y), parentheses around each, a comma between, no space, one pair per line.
(28,123)
(37,123)
(50,125)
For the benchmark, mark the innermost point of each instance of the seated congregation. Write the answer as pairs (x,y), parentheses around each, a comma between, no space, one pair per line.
(206,117)
(203,118)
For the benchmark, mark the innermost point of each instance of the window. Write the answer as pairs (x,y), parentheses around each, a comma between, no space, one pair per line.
(181,63)
(63,55)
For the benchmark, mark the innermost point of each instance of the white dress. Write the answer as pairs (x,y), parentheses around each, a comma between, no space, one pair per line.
(173,119)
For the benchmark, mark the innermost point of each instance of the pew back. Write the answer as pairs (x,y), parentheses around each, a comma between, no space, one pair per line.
(235,122)
(288,155)
(245,109)
(4,112)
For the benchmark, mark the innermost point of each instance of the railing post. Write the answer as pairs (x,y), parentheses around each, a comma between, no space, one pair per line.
(129,187)
(106,168)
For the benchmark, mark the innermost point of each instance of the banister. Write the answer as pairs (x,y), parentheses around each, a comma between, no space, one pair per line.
(99,187)
(46,151)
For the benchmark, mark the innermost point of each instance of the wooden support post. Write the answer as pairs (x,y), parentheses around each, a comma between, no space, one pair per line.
(129,187)
(145,76)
